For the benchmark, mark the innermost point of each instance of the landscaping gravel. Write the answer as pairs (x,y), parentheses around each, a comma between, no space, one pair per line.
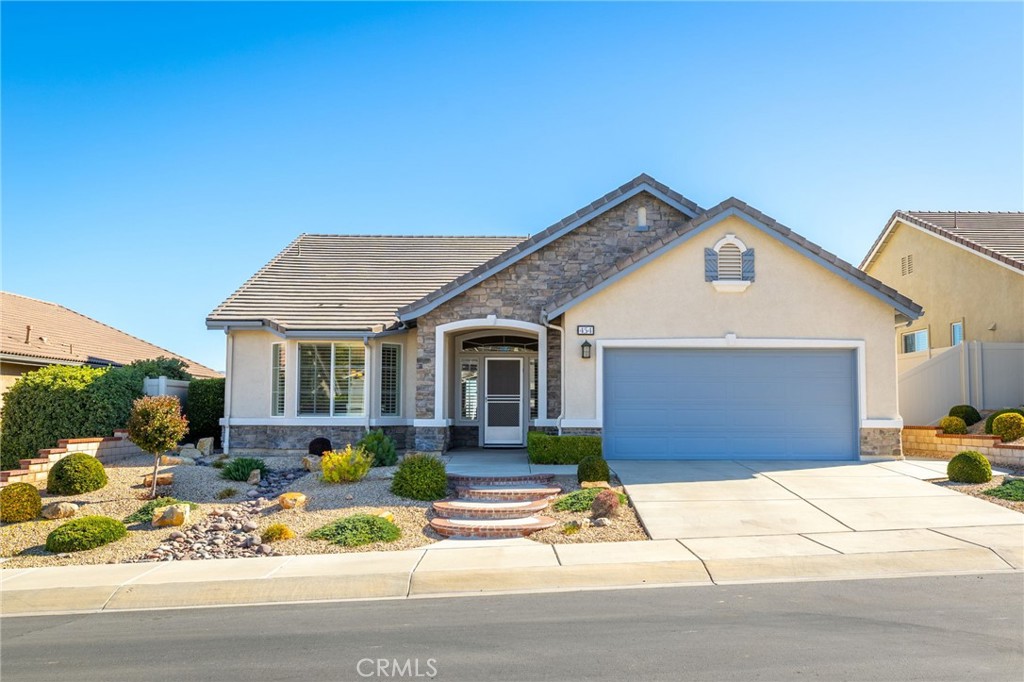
(624,526)
(978,490)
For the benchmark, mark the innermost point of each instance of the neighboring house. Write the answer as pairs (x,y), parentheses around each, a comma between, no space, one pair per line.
(38,333)
(672,330)
(965,268)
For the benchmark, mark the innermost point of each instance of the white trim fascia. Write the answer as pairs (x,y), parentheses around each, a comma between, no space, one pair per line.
(731,286)
(440,365)
(882,423)
(543,422)
(892,224)
(732,341)
(432,422)
(582,220)
(315,421)
(729,239)
(581,423)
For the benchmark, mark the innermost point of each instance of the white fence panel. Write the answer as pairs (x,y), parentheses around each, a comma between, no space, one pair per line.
(987,375)
(165,386)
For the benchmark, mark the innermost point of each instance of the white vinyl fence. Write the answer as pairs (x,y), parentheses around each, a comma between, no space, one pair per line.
(989,376)
(165,386)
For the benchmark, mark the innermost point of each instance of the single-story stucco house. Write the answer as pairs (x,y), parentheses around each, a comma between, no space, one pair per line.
(673,331)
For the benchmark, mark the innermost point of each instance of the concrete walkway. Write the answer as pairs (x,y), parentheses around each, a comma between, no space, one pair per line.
(494,462)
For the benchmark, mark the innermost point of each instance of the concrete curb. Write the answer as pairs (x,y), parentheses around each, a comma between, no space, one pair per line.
(449,572)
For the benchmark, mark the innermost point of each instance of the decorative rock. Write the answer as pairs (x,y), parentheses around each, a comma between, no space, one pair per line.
(59,510)
(254,477)
(265,549)
(250,526)
(253,493)
(595,484)
(168,460)
(174,515)
(311,463)
(161,479)
(291,500)
(189,453)
(205,446)
(177,535)
(350,496)
(602,522)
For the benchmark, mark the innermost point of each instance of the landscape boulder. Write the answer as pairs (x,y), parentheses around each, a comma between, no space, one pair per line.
(173,515)
(205,446)
(59,510)
(291,500)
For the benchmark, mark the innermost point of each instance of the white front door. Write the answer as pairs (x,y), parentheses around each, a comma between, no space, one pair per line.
(503,401)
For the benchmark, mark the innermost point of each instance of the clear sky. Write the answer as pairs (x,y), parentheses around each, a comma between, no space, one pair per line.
(156,155)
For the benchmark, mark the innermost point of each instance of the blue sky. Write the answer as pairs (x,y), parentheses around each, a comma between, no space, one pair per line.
(156,155)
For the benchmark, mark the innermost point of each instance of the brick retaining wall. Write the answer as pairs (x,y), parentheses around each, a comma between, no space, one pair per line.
(36,469)
(929,441)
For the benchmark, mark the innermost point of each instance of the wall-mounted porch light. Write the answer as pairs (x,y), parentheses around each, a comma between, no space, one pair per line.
(585,350)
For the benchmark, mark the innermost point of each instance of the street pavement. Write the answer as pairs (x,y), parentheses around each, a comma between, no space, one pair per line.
(934,628)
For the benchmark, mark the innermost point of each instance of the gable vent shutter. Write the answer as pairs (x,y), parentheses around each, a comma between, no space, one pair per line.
(748,265)
(710,265)
(730,262)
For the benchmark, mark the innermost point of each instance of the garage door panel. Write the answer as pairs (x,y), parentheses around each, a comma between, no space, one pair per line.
(720,404)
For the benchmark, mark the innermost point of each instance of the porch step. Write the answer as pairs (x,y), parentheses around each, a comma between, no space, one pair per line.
(484,509)
(498,479)
(491,528)
(507,493)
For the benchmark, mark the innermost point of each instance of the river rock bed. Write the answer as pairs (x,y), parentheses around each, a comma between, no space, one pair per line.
(228,533)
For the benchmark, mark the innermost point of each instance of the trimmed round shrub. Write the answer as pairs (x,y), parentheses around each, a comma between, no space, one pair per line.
(969,467)
(998,413)
(593,468)
(381,446)
(952,425)
(605,505)
(358,529)
(581,500)
(276,532)
(84,533)
(76,474)
(319,446)
(965,412)
(1009,427)
(19,502)
(239,469)
(420,477)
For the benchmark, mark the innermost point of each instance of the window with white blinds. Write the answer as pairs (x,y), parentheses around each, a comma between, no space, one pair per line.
(332,379)
(277,379)
(534,405)
(730,262)
(468,379)
(390,380)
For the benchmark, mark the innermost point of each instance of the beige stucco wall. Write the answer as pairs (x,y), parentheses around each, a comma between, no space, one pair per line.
(251,372)
(952,284)
(792,297)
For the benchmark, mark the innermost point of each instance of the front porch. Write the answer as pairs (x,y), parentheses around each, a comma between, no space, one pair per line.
(487,462)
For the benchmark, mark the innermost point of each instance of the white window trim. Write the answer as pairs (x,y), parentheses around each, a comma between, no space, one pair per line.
(730,286)
(732,341)
(279,349)
(367,379)
(399,382)
(478,358)
(951,335)
(928,340)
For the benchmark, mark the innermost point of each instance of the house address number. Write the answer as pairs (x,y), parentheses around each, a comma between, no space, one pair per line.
(584,330)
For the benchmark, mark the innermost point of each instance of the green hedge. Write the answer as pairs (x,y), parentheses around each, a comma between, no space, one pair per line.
(204,408)
(58,401)
(546,449)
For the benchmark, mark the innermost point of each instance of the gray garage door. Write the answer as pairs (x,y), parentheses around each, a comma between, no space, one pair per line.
(729,404)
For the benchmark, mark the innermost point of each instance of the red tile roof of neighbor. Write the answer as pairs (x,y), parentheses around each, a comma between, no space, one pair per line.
(52,334)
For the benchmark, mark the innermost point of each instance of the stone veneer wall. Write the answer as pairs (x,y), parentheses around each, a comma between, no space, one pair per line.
(288,440)
(36,469)
(929,441)
(523,290)
(880,443)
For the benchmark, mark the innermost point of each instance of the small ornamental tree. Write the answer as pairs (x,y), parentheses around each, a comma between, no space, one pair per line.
(156,425)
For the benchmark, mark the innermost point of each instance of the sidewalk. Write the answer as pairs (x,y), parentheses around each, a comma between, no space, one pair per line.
(461,567)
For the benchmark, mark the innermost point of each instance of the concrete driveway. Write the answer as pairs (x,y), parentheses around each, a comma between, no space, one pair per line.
(743,509)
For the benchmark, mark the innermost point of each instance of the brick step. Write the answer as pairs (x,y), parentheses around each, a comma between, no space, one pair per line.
(484,509)
(507,493)
(491,528)
(498,479)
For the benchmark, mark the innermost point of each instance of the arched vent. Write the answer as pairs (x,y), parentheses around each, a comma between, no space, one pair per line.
(730,262)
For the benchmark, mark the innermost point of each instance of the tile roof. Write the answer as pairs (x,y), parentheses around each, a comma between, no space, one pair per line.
(45,331)
(687,229)
(996,234)
(526,246)
(352,283)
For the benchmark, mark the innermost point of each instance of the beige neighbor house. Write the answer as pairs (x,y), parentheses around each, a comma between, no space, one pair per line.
(36,333)
(967,270)
(673,331)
